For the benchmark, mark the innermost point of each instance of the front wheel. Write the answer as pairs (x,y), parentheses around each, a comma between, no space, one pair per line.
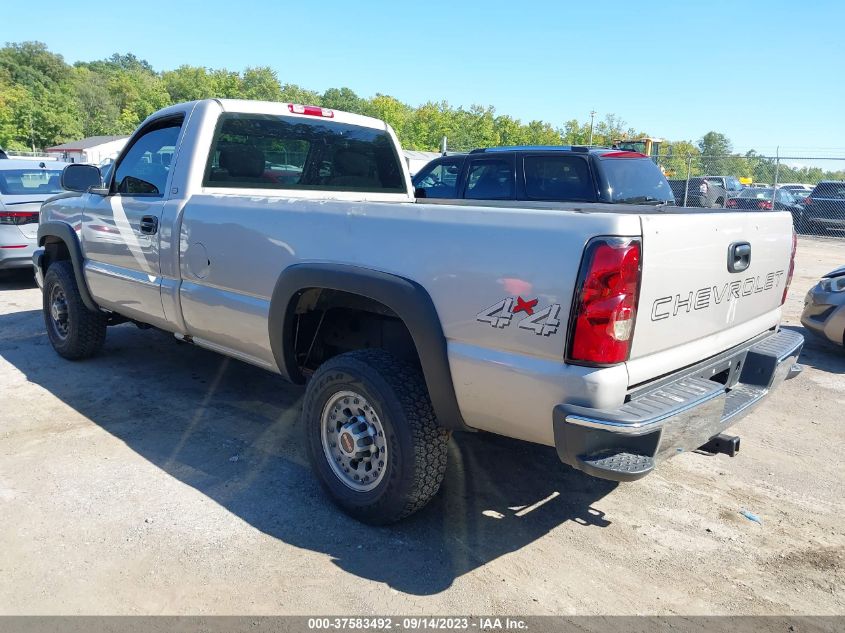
(74,331)
(372,437)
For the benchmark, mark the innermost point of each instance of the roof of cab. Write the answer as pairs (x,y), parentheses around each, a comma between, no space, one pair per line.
(576,149)
(247,106)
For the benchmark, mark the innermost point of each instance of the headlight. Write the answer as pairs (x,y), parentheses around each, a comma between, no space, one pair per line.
(833,284)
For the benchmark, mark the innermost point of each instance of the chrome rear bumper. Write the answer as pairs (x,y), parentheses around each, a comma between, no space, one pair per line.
(679,414)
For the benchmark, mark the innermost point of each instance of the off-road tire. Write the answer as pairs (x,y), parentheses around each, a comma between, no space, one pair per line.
(416,443)
(86,329)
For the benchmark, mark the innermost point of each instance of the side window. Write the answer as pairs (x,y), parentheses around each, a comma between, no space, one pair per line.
(557,178)
(143,170)
(440,180)
(490,180)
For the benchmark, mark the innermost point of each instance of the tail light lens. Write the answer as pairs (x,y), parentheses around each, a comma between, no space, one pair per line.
(791,266)
(730,203)
(808,200)
(18,217)
(605,306)
(766,205)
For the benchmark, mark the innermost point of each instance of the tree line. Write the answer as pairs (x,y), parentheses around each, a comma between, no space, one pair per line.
(45,101)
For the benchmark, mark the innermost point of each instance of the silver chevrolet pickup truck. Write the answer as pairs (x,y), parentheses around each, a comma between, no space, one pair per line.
(288,237)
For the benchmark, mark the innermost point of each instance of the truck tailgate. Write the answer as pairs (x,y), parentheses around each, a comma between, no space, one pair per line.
(695,284)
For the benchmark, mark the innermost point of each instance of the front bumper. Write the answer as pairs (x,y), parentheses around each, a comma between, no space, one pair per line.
(679,413)
(38,264)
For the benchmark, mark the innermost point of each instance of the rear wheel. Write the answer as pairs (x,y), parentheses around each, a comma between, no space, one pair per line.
(372,436)
(74,331)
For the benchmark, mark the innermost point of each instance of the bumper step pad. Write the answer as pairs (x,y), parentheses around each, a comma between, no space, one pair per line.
(676,415)
(618,466)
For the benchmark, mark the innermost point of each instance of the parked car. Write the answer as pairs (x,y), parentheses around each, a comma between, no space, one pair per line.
(795,186)
(619,334)
(753,199)
(24,185)
(545,173)
(824,208)
(705,191)
(824,307)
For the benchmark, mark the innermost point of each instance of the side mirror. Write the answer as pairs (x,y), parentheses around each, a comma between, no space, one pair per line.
(81,178)
(419,192)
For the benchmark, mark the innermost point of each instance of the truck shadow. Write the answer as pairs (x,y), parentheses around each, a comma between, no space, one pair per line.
(231,431)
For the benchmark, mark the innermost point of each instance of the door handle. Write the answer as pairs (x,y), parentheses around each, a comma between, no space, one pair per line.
(149,225)
(739,257)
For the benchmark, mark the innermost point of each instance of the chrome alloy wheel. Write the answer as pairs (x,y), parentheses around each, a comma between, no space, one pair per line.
(353,441)
(59,312)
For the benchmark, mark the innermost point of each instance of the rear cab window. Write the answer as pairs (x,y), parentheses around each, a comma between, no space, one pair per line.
(634,180)
(260,151)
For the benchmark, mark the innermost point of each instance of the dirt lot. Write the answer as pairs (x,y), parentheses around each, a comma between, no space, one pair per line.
(163,479)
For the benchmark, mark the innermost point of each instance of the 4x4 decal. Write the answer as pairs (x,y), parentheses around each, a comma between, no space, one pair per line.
(543,322)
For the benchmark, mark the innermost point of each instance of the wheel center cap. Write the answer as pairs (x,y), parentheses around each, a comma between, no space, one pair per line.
(347,444)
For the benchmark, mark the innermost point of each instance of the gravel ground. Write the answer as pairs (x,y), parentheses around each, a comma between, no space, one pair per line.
(160,478)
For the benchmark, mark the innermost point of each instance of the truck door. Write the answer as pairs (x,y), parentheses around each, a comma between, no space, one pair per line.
(120,230)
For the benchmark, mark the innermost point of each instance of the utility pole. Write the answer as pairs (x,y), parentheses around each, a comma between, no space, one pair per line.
(31,133)
(592,116)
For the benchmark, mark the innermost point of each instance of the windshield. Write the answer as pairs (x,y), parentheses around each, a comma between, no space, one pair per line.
(35,181)
(636,181)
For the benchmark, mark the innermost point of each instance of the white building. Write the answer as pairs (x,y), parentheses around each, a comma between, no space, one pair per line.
(93,150)
(417,160)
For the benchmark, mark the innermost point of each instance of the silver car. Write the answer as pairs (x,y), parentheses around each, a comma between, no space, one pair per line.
(824,307)
(24,185)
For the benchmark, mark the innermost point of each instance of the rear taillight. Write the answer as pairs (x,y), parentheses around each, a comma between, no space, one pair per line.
(18,217)
(808,200)
(310,110)
(605,305)
(791,266)
(766,205)
(731,203)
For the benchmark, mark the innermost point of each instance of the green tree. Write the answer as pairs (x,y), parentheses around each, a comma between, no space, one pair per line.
(291,93)
(98,108)
(714,148)
(190,83)
(49,114)
(343,99)
(389,109)
(137,94)
(261,83)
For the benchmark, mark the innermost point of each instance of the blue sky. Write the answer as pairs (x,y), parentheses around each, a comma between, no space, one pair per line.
(764,73)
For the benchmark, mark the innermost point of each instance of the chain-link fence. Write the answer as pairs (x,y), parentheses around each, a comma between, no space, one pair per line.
(812,189)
